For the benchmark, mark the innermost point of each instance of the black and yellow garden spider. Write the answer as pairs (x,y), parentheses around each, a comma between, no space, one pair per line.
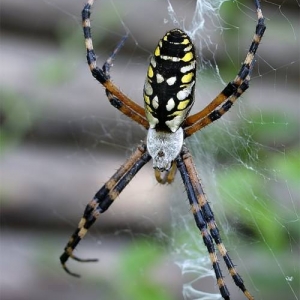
(168,98)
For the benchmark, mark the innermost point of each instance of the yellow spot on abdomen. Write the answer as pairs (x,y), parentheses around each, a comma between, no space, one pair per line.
(150,72)
(157,51)
(188,56)
(187,77)
(147,99)
(185,42)
(183,104)
(149,109)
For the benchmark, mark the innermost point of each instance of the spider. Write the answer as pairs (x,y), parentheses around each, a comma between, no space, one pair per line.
(168,97)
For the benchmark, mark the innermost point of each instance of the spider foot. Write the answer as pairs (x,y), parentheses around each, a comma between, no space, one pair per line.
(107,65)
(65,256)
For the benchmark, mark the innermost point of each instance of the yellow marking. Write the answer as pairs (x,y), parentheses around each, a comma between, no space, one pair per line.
(187,78)
(256,38)
(82,232)
(213,257)
(201,199)
(89,44)
(110,184)
(81,222)
(188,56)
(183,104)
(175,113)
(147,99)
(185,85)
(222,249)
(86,23)
(150,72)
(195,208)
(249,58)
(149,109)
(113,194)
(232,271)
(248,295)
(157,51)
(220,282)
(185,41)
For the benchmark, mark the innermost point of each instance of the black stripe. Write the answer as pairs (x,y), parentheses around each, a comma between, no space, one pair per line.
(87,32)
(90,56)
(105,203)
(86,12)
(99,75)
(229,89)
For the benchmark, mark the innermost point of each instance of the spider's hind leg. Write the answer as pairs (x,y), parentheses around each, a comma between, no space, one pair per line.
(205,221)
(102,201)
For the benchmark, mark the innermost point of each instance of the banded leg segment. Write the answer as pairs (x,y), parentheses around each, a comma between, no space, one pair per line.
(234,89)
(202,202)
(102,200)
(122,102)
(200,220)
(218,113)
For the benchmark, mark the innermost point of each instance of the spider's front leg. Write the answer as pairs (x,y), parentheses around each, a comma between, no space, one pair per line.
(117,98)
(233,90)
(204,218)
(102,200)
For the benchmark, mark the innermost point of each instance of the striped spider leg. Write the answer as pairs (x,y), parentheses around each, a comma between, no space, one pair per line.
(102,201)
(117,99)
(233,90)
(205,222)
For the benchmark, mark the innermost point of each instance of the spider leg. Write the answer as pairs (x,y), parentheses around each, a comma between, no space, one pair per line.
(218,113)
(199,203)
(122,103)
(201,223)
(234,89)
(102,200)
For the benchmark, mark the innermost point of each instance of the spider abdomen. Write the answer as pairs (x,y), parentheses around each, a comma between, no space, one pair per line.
(170,82)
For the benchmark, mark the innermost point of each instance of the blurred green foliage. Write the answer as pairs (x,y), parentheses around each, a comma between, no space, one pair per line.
(16,119)
(135,279)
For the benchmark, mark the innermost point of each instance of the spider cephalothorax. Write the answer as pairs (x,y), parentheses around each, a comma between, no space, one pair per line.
(168,97)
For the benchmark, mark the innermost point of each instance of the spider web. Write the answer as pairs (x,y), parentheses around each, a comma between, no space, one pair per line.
(254,145)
